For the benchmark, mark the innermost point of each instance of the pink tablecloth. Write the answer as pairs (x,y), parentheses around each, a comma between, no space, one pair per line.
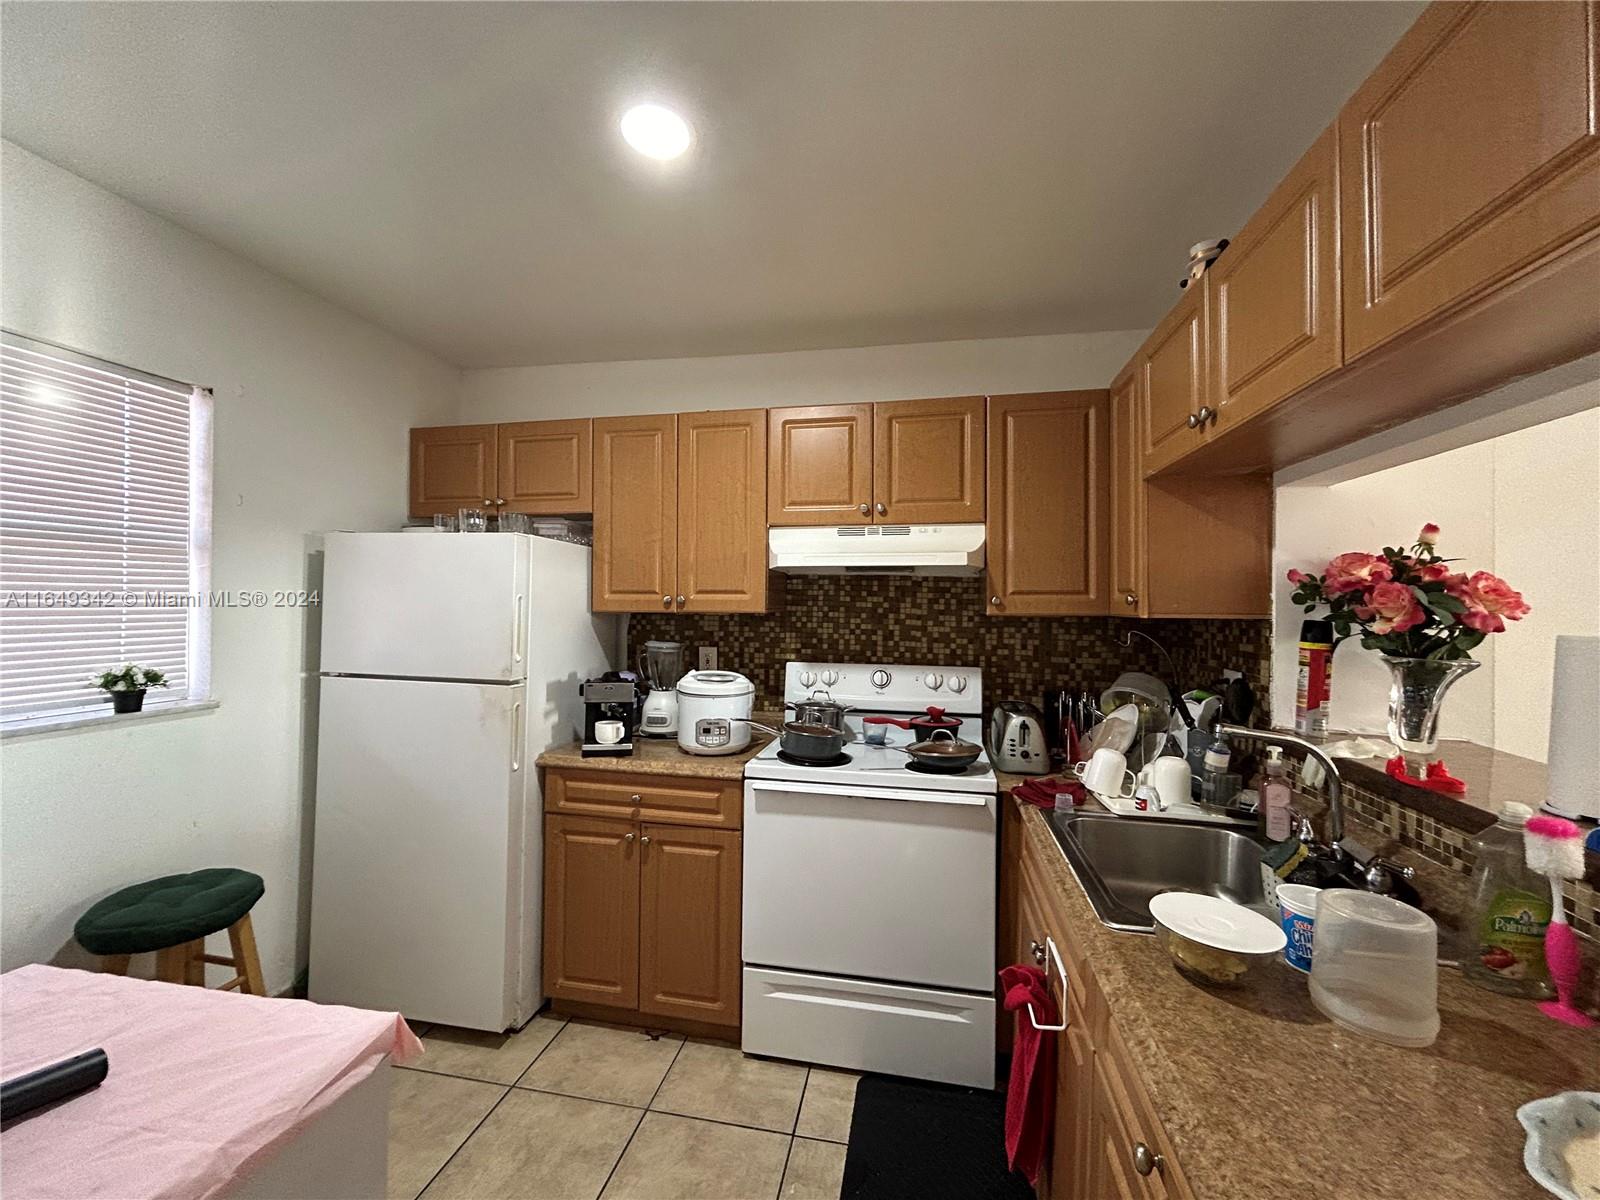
(203,1085)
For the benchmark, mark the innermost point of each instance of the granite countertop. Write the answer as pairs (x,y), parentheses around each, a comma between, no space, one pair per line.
(1264,1097)
(661,756)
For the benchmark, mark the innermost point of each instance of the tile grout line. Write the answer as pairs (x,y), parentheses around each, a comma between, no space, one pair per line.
(788,1151)
(640,1122)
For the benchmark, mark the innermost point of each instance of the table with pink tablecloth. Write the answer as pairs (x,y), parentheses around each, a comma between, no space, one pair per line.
(203,1086)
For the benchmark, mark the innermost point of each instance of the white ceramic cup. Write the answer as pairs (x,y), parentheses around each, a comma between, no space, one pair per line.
(609,733)
(1171,778)
(1107,774)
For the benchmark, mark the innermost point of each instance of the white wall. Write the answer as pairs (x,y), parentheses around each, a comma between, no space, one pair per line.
(311,411)
(1524,505)
(996,365)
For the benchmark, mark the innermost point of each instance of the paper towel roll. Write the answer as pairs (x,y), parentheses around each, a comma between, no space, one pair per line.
(1574,756)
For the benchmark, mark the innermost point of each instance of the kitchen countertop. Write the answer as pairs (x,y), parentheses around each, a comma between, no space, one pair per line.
(1264,1097)
(656,756)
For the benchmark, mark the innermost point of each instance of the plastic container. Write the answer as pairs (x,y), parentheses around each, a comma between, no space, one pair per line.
(1508,913)
(1376,967)
(1297,910)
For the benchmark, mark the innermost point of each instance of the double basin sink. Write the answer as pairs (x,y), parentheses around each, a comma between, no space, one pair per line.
(1124,862)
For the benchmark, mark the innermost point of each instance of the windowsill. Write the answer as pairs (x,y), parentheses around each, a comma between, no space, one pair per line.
(71,722)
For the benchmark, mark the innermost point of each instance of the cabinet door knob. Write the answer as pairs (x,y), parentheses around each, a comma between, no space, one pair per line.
(499,503)
(680,601)
(1145,1160)
(627,837)
(666,602)
(994,601)
(488,503)
(883,509)
(865,509)
(633,799)
(645,841)
(1130,599)
(1194,421)
(1206,414)
(1037,951)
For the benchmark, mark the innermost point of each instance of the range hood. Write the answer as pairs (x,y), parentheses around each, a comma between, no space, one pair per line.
(877,550)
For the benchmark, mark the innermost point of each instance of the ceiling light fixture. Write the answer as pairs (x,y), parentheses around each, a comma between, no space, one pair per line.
(655,132)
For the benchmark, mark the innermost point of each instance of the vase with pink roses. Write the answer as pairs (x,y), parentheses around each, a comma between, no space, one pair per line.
(1422,615)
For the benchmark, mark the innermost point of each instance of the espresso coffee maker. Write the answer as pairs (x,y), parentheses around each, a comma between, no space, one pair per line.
(610,715)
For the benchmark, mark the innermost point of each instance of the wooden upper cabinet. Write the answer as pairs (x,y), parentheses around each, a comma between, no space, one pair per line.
(820,470)
(1172,381)
(452,467)
(591,910)
(1471,154)
(689,924)
(1127,499)
(1274,316)
(545,467)
(1049,488)
(722,509)
(928,461)
(635,514)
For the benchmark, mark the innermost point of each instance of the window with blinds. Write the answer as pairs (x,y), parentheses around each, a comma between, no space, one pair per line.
(98,546)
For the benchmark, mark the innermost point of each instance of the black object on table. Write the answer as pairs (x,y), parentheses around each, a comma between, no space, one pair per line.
(59,1080)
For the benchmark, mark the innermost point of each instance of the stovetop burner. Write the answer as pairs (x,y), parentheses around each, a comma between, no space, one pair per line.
(926,769)
(838,760)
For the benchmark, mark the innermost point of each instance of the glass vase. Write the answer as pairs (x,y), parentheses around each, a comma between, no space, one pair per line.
(1417,688)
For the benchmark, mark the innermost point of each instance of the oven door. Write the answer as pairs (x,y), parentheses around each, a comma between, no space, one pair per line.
(878,883)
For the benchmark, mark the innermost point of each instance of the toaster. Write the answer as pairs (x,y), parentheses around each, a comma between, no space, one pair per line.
(1016,739)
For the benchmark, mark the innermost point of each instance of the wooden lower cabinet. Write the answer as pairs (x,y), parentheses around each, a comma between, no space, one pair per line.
(641,917)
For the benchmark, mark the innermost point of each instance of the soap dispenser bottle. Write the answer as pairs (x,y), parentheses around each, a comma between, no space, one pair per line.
(1276,821)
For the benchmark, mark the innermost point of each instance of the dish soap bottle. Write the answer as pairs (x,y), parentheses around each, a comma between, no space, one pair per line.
(1509,911)
(1276,823)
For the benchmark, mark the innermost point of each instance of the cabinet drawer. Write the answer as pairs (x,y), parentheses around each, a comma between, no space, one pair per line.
(1134,1121)
(675,800)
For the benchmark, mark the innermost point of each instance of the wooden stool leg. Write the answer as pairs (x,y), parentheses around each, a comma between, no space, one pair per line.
(115,964)
(194,970)
(172,963)
(242,937)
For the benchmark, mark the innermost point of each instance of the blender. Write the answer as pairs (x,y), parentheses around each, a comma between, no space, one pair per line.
(661,664)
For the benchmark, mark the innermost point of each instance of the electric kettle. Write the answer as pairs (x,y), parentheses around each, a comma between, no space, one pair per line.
(1016,739)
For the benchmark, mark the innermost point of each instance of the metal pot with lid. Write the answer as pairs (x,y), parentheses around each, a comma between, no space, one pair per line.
(812,711)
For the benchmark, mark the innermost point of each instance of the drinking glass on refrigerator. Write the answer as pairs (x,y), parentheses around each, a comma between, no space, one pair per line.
(444,523)
(473,520)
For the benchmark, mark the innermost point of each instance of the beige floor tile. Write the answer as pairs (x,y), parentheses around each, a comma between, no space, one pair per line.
(721,1084)
(603,1062)
(429,1117)
(830,1100)
(676,1158)
(492,1057)
(536,1146)
(815,1171)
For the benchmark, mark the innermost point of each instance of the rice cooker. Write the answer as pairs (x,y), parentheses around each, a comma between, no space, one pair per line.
(714,712)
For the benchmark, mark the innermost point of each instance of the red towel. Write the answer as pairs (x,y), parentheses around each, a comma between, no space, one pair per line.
(1047,793)
(1031,1093)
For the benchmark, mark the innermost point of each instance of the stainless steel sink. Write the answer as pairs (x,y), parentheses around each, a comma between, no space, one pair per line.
(1122,862)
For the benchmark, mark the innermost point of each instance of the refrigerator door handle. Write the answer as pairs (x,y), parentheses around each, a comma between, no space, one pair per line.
(516,740)
(519,630)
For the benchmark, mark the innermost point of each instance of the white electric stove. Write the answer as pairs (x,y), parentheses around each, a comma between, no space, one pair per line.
(869,888)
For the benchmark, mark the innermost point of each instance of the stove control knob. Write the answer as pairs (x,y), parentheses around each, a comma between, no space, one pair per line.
(958,683)
(880,679)
(933,680)
(807,678)
(829,678)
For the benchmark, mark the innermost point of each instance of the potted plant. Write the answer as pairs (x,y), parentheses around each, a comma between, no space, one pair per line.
(128,684)
(1422,616)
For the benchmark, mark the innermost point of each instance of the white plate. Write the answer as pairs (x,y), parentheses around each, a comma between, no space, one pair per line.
(1117,732)
(1218,923)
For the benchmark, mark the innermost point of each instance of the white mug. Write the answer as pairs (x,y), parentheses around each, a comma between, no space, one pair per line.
(1171,779)
(1106,773)
(608,733)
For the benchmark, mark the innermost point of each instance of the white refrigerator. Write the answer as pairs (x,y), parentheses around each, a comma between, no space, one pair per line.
(449,662)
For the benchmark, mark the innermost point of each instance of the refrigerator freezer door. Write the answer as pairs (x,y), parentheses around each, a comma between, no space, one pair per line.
(421,850)
(439,606)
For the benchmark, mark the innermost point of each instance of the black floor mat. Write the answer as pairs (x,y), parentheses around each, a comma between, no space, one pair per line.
(926,1141)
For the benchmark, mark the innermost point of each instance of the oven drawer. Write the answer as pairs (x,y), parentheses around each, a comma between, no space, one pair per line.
(863,1025)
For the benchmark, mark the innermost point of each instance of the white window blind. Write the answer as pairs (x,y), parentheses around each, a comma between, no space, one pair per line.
(97,545)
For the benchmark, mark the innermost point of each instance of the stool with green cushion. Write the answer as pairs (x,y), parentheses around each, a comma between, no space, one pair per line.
(172,916)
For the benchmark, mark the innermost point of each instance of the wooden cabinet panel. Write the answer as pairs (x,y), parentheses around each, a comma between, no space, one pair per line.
(928,461)
(722,511)
(452,467)
(1274,318)
(545,467)
(1172,380)
(683,801)
(1049,490)
(1070,1150)
(635,514)
(820,465)
(1469,155)
(689,923)
(1127,499)
(591,911)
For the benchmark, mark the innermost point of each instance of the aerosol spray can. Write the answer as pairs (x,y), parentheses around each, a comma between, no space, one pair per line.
(1314,693)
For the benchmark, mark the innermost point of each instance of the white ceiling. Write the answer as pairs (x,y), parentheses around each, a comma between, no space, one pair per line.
(863,174)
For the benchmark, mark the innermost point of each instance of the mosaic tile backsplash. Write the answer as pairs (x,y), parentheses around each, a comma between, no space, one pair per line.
(916,619)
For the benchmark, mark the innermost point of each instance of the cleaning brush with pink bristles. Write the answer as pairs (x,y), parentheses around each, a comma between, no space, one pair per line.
(1554,848)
